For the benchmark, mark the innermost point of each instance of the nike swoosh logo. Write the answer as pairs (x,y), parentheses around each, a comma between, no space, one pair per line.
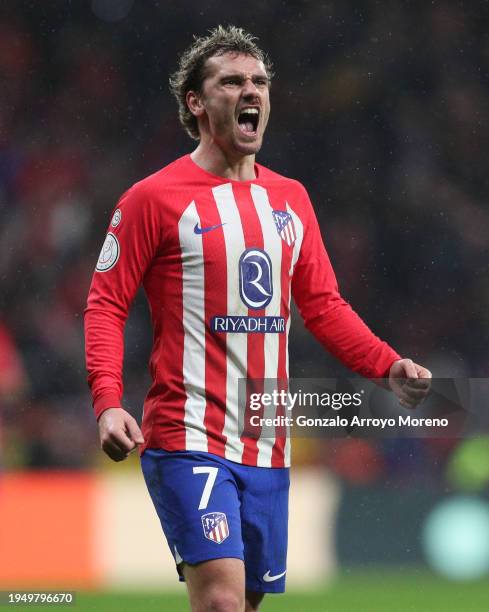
(268,578)
(204,230)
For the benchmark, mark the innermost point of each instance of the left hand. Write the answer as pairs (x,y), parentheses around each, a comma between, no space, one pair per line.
(409,381)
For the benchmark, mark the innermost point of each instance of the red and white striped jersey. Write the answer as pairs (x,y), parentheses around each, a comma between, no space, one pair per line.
(219,260)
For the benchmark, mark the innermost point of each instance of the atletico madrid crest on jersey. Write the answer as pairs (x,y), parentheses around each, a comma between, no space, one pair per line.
(285,226)
(215,525)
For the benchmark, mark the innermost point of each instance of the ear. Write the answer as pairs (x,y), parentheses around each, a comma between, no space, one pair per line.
(194,103)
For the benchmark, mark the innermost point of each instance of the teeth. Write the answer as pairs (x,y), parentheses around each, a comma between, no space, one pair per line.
(250,111)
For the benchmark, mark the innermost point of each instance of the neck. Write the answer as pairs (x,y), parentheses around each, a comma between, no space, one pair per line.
(213,159)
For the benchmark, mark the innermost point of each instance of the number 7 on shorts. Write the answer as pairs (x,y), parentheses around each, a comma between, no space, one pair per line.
(211,479)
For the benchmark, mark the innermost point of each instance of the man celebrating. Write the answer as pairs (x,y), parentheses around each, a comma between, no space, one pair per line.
(220,244)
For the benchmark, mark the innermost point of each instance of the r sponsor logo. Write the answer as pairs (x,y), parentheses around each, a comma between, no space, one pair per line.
(255,279)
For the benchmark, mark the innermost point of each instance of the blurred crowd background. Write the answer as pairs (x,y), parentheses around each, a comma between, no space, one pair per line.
(380,109)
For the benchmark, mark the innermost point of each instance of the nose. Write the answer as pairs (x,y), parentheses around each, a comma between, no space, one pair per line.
(249,88)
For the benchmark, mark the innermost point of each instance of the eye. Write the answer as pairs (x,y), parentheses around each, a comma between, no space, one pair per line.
(231,81)
(261,82)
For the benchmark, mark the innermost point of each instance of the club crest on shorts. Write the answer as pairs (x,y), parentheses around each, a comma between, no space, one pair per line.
(215,526)
(285,226)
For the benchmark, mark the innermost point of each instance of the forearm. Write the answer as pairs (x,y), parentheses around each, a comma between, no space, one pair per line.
(343,333)
(104,349)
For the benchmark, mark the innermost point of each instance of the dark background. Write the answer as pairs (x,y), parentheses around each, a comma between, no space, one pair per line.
(379,108)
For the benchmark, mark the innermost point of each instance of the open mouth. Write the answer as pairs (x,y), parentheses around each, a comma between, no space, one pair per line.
(248,121)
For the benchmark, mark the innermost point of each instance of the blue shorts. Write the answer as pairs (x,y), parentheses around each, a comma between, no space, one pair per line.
(212,508)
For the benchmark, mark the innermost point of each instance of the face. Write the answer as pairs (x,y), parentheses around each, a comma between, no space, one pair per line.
(234,104)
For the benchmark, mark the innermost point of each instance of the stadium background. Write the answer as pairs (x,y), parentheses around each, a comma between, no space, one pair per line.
(380,109)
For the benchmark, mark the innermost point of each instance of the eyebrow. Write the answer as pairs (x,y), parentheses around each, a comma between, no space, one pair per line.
(241,75)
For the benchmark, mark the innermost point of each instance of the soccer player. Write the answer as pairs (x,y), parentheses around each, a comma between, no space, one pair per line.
(220,244)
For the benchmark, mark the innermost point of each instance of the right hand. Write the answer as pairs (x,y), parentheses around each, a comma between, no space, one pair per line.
(119,433)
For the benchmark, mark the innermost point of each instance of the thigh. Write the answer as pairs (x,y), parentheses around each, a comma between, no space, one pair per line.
(216,584)
(264,520)
(197,501)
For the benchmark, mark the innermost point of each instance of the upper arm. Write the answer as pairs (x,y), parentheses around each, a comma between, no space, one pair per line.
(132,241)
